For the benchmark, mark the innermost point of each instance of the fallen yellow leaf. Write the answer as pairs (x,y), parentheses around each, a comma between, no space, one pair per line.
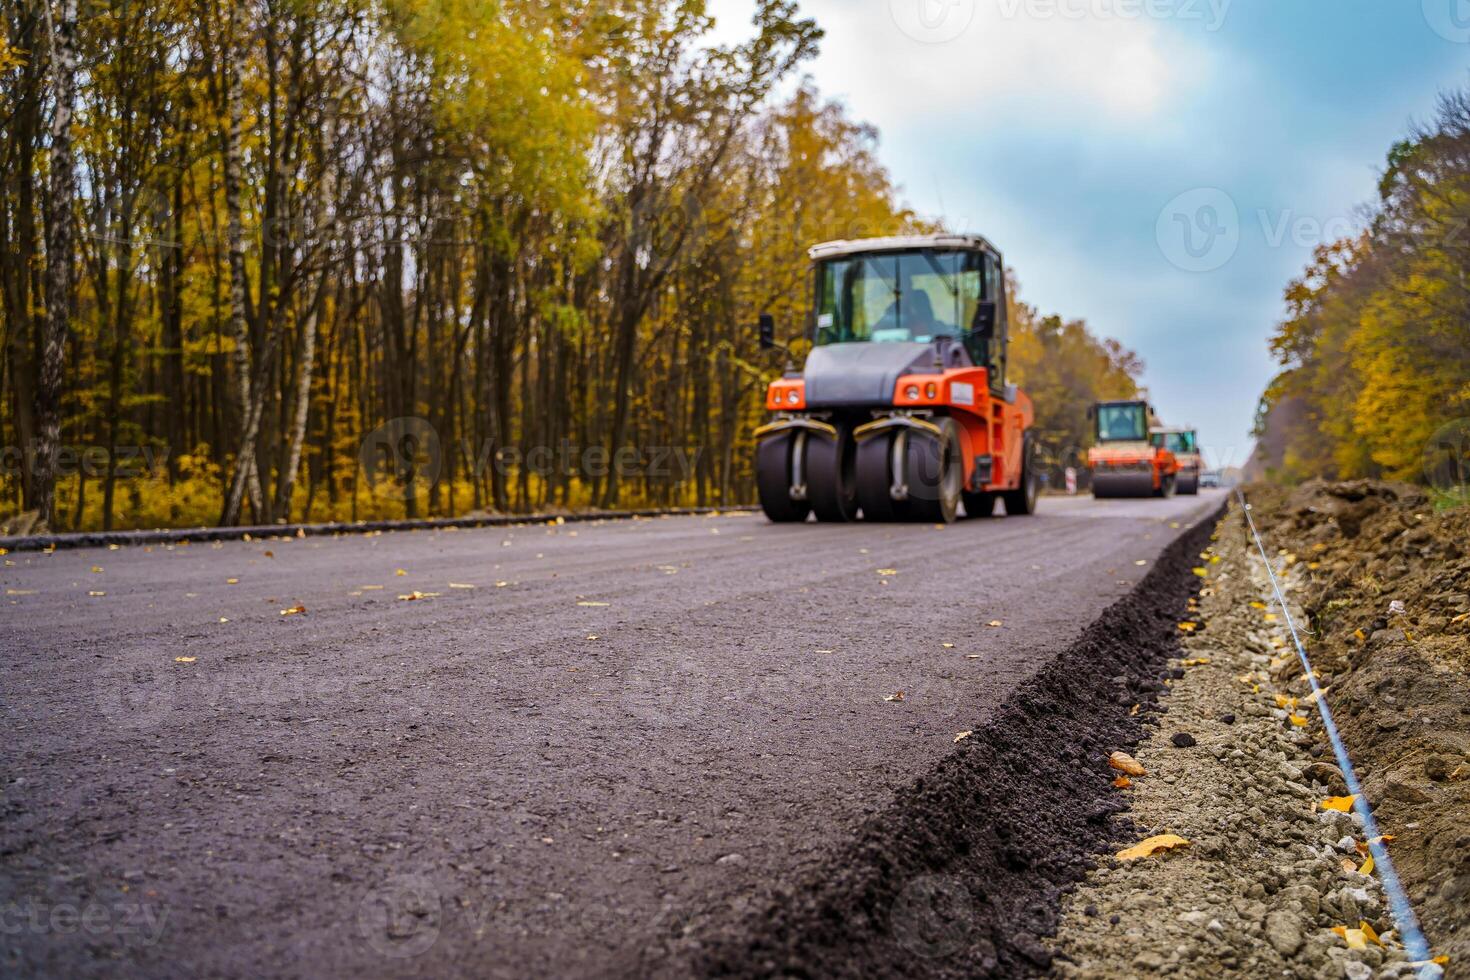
(1134,710)
(1270,617)
(1201,572)
(961,736)
(1122,782)
(1258,605)
(1188,627)
(1297,720)
(1123,762)
(415,595)
(1358,635)
(587,602)
(185,660)
(1367,869)
(1342,804)
(96,568)
(1141,561)
(1460,618)
(501,585)
(994,622)
(1195,661)
(1353,937)
(399,571)
(887,571)
(294,610)
(96,593)
(895,696)
(232,581)
(1152,845)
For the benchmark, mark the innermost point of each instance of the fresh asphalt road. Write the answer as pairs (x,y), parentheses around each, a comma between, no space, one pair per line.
(619,732)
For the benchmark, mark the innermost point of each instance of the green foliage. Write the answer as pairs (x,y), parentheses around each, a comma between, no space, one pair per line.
(1375,349)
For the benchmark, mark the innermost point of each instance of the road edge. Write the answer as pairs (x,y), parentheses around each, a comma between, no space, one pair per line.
(104,539)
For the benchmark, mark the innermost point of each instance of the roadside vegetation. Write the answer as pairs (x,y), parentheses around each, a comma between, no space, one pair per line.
(1375,350)
(238,239)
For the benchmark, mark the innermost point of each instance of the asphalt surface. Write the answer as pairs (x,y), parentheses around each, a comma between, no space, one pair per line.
(621,734)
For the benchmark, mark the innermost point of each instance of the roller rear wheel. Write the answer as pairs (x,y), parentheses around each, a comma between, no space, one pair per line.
(1023,499)
(979,504)
(831,476)
(1187,485)
(777,469)
(936,474)
(874,458)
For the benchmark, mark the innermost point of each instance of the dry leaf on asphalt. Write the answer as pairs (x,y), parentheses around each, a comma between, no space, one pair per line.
(1123,762)
(887,571)
(399,571)
(895,696)
(460,585)
(590,603)
(994,622)
(294,610)
(416,595)
(947,646)
(96,593)
(1152,845)
(185,660)
(232,581)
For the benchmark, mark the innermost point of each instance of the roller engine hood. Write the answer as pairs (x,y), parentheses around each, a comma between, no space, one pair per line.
(865,373)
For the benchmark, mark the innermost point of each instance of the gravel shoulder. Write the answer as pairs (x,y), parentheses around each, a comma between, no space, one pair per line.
(1238,767)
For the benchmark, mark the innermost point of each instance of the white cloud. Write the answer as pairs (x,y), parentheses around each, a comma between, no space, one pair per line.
(967,63)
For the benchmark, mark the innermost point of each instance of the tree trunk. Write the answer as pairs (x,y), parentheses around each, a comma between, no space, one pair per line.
(59,197)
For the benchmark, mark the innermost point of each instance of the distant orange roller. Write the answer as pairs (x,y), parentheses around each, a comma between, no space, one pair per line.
(1124,462)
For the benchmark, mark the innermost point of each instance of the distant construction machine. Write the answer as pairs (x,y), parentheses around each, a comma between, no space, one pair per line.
(1124,462)
(1184,444)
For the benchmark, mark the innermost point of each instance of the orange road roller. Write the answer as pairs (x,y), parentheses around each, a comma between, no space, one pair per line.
(1124,462)
(1184,444)
(902,411)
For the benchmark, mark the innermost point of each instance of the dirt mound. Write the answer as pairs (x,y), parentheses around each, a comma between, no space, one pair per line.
(1385,581)
(963,874)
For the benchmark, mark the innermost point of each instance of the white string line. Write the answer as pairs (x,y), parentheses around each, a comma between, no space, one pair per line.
(1398,902)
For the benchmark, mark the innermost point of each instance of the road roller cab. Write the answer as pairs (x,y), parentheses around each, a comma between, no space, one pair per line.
(1184,444)
(902,410)
(1125,462)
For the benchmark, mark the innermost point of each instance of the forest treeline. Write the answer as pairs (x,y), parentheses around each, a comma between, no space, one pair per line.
(282,260)
(1375,349)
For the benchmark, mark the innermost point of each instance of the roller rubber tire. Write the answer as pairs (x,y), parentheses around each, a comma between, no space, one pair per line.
(1187,486)
(875,477)
(1022,501)
(831,476)
(935,474)
(773,479)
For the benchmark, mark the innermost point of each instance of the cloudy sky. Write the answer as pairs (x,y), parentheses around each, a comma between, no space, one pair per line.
(1160,168)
